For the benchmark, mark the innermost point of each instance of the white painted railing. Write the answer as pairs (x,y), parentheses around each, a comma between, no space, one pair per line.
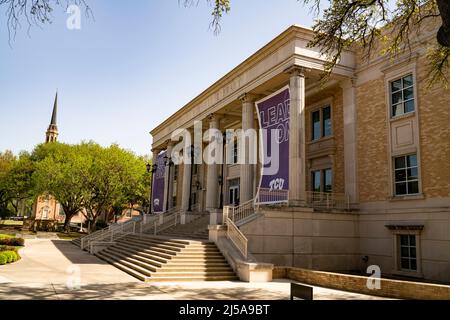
(324,200)
(237,237)
(241,212)
(271,196)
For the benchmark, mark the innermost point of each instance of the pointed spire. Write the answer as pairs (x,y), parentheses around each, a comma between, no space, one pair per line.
(55,110)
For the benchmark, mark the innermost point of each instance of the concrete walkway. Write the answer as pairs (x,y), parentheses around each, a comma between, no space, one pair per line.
(56,269)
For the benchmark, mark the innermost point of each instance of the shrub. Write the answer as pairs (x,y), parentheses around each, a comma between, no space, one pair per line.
(8,257)
(17,242)
(3,259)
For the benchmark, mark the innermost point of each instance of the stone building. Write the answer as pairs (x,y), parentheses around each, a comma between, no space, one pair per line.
(369,160)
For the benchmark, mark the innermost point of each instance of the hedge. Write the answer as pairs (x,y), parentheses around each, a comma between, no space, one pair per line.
(8,257)
(17,242)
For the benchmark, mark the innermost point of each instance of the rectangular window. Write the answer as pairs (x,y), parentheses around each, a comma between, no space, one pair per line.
(326,115)
(408,252)
(322,180)
(235,152)
(327,180)
(402,95)
(316,181)
(321,123)
(316,125)
(406,175)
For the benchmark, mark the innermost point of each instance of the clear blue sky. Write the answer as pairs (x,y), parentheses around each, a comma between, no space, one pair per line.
(126,71)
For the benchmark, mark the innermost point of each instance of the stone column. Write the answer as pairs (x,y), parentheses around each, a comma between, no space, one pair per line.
(168,180)
(212,176)
(350,147)
(155,157)
(186,180)
(246,175)
(297,146)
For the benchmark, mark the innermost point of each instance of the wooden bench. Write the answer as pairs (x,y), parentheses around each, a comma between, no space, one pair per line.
(301,291)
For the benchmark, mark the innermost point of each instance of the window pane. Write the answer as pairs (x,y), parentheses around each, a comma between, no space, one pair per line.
(327,121)
(413,187)
(407,81)
(413,264)
(408,93)
(405,264)
(397,109)
(400,188)
(397,97)
(404,240)
(328,183)
(412,252)
(404,251)
(412,240)
(412,174)
(396,85)
(412,160)
(400,175)
(316,181)
(316,125)
(409,106)
(400,163)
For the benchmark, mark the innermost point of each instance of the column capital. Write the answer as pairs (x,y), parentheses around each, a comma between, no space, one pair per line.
(296,70)
(170,143)
(348,83)
(213,117)
(248,97)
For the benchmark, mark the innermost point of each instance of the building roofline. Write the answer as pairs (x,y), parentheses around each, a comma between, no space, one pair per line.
(294,31)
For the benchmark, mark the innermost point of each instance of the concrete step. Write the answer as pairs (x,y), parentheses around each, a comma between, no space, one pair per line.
(157,242)
(194,269)
(191,279)
(133,260)
(122,267)
(128,264)
(142,246)
(159,256)
(138,256)
(152,245)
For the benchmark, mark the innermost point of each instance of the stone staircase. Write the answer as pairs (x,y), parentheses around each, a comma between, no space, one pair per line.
(196,229)
(159,258)
(77,242)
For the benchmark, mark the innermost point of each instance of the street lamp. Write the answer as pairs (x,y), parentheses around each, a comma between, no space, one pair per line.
(151,169)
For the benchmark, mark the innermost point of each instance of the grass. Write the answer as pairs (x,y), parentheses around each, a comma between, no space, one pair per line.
(69,236)
(6,236)
(11,223)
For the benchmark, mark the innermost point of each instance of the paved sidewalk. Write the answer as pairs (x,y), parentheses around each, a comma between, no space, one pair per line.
(48,270)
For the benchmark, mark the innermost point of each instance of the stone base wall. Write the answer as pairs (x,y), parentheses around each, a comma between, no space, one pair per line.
(388,288)
(343,242)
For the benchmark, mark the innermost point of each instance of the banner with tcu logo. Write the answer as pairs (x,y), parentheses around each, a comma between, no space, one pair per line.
(159,184)
(273,116)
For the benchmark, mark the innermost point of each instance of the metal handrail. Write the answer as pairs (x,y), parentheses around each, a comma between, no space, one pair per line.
(271,196)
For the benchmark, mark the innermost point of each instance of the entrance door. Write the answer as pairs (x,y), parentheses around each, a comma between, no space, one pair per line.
(234,195)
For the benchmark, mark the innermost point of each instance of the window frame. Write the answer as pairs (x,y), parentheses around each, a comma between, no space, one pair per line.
(406,181)
(403,101)
(322,178)
(397,254)
(320,107)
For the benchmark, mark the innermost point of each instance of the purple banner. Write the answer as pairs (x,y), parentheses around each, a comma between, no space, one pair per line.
(158,184)
(273,116)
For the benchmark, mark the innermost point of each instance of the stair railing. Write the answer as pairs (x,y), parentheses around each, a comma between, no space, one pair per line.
(237,237)
(241,212)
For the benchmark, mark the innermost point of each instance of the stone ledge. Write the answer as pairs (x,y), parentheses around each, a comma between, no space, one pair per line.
(397,289)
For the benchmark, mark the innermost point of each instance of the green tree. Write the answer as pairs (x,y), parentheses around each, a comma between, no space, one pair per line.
(60,173)
(7,160)
(346,24)
(114,181)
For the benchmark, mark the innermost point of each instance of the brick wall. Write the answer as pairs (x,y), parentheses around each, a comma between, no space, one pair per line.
(389,288)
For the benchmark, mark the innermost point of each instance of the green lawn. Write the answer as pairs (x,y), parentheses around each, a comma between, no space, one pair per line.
(11,223)
(6,236)
(69,236)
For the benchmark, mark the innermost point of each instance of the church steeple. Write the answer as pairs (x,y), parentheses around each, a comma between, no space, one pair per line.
(52,131)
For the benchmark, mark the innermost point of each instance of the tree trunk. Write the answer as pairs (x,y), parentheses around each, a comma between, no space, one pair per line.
(443,35)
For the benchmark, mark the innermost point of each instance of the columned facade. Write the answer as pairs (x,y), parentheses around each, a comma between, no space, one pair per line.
(212,176)
(168,178)
(297,137)
(247,168)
